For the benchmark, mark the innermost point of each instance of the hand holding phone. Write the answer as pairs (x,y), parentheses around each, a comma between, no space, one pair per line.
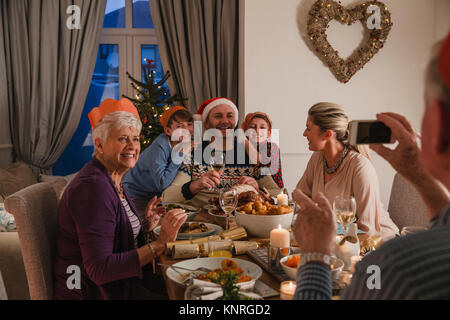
(369,132)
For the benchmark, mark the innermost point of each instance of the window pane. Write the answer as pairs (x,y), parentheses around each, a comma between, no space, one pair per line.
(141,14)
(104,85)
(151,52)
(114,14)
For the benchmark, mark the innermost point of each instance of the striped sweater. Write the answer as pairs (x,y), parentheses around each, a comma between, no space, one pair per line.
(411,267)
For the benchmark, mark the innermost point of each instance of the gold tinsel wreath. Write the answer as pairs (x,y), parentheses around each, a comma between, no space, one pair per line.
(320,15)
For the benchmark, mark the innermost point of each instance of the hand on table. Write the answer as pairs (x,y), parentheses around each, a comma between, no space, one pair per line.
(250,181)
(315,226)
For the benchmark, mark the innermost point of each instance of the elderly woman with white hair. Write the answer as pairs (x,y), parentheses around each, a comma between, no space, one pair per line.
(101,251)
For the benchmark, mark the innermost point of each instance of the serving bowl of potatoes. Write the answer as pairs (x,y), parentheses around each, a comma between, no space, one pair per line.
(259,218)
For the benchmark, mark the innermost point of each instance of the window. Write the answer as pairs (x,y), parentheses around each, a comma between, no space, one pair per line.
(128,37)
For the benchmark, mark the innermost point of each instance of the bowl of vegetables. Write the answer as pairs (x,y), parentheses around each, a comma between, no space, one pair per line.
(290,266)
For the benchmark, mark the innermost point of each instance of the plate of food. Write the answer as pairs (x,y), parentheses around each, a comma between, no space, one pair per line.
(190,210)
(245,193)
(245,270)
(194,230)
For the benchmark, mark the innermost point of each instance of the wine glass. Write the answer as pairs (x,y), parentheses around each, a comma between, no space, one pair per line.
(228,200)
(217,163)
(345,210)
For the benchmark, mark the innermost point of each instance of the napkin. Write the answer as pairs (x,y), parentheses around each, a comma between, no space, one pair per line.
(205,290)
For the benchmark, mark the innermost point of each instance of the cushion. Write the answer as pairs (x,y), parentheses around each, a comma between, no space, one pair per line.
(15,177)
(7,222)
(57,182)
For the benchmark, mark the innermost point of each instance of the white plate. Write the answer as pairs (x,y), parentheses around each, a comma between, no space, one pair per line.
(190,215)
(212,229)
(248,268)
(209,206)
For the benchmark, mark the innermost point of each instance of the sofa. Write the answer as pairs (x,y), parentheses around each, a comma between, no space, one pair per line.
(13,178)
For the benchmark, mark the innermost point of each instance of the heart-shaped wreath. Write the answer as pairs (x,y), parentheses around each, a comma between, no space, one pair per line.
(320,15)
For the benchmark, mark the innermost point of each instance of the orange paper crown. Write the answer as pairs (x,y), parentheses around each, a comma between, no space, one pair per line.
(249,117)
(165,117)
(444,61)
(109,106)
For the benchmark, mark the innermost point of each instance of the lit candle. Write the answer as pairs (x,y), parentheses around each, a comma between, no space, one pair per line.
(287,290)
(280,238)
(282,199)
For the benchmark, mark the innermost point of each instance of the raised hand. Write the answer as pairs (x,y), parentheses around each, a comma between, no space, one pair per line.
(153,213)
(315,226)
(405,158)
(170,225)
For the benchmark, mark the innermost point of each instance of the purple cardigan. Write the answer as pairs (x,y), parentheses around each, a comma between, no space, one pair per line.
(95,234)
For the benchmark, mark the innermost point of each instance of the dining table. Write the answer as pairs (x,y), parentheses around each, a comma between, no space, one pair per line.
(176,290)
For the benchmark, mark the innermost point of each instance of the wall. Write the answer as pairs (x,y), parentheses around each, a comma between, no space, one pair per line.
(284,78)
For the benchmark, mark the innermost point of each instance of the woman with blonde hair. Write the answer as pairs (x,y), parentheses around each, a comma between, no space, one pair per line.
(337,168)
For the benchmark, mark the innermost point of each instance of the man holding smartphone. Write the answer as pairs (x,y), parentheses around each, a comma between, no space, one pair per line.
(410,267)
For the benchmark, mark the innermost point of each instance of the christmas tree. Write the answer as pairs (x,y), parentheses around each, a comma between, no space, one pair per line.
(151,100)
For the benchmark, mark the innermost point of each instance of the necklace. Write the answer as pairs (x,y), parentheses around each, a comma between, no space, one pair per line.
(119,188)
(338,163)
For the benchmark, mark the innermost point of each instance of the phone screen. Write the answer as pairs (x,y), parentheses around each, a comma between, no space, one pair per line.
(373,132)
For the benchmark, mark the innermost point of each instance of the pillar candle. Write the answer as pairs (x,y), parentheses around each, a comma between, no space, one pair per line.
(280,238)
(282,199)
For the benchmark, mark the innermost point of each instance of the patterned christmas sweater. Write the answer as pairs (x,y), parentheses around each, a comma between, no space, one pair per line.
(237,165)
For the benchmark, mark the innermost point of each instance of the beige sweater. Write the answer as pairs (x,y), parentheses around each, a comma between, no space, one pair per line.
(357,177)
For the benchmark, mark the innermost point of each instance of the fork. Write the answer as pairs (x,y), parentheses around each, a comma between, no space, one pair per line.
(203,269)
(188,279)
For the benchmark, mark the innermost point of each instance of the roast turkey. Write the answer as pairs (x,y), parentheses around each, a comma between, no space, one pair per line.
(246,193)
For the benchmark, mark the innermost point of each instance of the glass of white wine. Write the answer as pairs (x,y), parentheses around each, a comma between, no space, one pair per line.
(217,163)
(228,200)
(345,210)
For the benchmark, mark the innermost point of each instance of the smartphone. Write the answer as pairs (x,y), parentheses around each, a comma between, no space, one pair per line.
(369,132)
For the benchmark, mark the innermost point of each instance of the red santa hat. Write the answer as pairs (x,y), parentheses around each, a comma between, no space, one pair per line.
(210,104)
(444,61)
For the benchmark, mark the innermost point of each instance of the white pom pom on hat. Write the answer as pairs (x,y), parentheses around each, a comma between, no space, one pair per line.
(210,104)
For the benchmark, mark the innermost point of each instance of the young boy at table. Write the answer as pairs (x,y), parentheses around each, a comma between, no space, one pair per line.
(155,169)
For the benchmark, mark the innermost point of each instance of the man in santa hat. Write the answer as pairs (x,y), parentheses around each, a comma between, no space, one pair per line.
(196,181)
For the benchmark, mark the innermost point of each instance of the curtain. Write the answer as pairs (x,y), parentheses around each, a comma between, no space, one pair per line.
(48,68)
(199,44)
(5,135)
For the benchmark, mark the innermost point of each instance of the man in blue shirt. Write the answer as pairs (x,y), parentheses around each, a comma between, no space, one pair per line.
(416,266)
(155,169)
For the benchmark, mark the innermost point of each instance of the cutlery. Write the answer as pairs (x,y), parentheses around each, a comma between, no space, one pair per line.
(203,269)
